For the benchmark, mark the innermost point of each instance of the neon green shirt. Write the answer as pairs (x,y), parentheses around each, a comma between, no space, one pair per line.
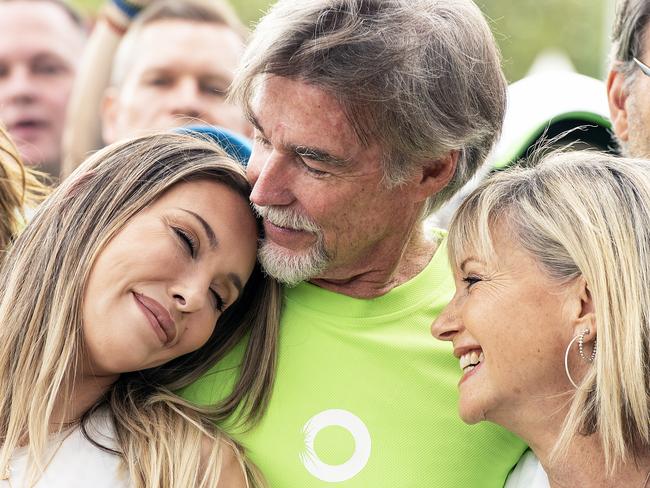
(365,397)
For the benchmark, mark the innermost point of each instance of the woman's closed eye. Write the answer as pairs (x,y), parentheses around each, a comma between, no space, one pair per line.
(190,243)
(219,302)
(187,240)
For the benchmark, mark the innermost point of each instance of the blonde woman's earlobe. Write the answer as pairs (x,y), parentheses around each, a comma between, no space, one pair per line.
(582,310)
(586,318)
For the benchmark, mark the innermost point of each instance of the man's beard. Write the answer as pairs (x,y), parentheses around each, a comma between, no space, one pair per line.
(286,266)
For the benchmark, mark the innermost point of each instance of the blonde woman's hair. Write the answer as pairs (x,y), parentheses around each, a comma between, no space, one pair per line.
(159,435)
(20,190)
(584,214)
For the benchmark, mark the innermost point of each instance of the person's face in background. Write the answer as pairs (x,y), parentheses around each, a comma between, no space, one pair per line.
(40,46)
(629,103)
(178,73)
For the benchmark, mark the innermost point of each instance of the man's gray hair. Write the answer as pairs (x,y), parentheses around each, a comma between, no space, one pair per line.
(420,77)
(628,34)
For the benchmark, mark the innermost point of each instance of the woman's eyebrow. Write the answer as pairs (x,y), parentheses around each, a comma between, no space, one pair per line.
(212,238)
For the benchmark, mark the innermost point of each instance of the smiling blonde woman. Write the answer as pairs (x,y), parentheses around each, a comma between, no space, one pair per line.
(133,278)
(551,317)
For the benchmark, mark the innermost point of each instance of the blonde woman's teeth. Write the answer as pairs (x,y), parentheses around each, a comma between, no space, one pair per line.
(471,360)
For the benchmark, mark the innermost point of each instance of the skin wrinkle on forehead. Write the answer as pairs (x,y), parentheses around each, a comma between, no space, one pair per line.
(313,153)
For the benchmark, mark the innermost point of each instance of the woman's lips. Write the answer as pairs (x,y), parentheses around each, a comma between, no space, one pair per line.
(158,316)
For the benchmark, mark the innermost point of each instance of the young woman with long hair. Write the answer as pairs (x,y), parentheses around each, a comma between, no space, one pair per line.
(132,279)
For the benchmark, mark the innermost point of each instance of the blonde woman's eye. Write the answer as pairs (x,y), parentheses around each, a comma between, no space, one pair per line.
(471,280)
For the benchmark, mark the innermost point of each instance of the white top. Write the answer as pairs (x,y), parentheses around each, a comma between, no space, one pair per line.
(75,462)
(528,473)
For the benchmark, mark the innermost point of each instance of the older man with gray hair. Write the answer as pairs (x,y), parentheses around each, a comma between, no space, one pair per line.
(368,115)
(628,83)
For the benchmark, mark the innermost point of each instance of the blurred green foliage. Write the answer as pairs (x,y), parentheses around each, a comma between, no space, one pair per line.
(523,28)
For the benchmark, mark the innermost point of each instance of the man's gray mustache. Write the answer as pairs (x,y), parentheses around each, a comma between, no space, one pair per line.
(289,219)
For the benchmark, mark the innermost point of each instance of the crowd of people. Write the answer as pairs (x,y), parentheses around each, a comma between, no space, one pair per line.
(217,268)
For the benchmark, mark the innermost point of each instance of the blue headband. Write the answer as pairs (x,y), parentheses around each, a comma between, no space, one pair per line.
(237,146)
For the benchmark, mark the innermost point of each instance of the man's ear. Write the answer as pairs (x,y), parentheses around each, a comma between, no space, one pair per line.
(617,94)
(435,175)
(108,112)
(584,314)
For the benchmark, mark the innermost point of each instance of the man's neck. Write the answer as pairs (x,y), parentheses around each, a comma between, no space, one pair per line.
(384,271)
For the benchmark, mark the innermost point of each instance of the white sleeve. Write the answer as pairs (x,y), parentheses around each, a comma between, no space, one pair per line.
(528,473)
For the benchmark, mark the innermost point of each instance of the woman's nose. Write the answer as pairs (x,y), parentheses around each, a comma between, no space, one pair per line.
(189,297)
(447,325)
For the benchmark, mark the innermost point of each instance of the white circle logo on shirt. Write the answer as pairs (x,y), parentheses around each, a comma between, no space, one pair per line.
(358,460)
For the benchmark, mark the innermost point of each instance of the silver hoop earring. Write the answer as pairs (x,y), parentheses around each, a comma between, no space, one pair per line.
(566,362)
(581,340)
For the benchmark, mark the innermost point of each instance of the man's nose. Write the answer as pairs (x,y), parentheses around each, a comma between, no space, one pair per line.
(186,99)
(271,177)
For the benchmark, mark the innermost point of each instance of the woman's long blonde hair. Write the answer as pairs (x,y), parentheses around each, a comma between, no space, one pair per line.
(41,290)
(20,190)
(584,214)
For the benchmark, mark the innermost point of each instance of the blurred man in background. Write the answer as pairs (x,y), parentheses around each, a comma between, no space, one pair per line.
(628,83)
(41,42)
(172,68)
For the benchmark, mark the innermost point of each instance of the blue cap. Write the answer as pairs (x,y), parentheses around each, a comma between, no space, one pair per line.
(238,147)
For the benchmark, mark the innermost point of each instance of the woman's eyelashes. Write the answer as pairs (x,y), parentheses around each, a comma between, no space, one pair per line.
(471,279)
(219,303)
(187,239)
